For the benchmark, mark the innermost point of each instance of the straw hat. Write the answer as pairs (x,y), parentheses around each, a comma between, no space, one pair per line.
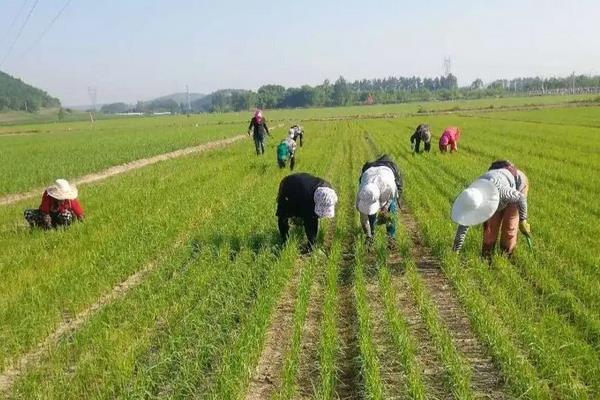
(368,199)
(325,200)
(476,204)
(62,190)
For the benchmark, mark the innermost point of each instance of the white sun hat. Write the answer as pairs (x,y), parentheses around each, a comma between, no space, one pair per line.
(325,200)
(476,204)
(62,190)
(368,199)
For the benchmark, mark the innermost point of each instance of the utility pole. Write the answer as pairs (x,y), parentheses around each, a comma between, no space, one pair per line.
(189,105)
(573,83)
(93,93)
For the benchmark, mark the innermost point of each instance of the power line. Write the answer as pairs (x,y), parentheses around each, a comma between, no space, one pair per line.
(14,21)
(48,27)
(20,32)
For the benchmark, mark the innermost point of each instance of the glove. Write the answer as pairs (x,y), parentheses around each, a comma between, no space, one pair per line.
(525,228)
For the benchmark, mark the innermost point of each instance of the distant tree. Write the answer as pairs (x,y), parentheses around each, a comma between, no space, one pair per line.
(61,114)
(341,95)
(114,108)
(477,84)
(270,96)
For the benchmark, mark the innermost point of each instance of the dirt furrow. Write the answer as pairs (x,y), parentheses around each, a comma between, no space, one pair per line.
(348,384)
(432,368)
(308,373)
(487,382)
(391,367)
(267,375)
(122,168)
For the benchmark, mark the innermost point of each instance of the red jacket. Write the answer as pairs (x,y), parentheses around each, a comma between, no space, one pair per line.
(50,204)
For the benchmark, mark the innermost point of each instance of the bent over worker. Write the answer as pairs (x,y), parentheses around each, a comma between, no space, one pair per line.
(259,130)
(422,134)
(286,150)
(306,197)
(379,194)
(296,133)
(498,199)
(449,139)
(59,207)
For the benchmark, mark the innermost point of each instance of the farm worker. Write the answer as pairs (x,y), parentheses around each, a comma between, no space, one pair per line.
(306,197)
(59,207)
(286,149)
(422,134)
(297,132)
(258,129)
(498,199)
(450,138)
(378,197)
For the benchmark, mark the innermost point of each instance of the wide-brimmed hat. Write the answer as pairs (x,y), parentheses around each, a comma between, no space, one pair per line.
(325,200)
(368,199)
(62,190)
(476,204)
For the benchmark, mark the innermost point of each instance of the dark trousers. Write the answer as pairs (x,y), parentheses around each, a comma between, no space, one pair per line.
(35,218)
(259,144)
(311,227)
(282,163)
(427,145)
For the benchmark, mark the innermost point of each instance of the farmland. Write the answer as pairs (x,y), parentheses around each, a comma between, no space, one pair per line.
(177,285)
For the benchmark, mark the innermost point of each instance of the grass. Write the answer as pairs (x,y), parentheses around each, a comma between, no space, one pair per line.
(195,325)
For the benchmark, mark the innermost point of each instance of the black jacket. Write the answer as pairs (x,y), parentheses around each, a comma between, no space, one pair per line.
(296,195)
(385,161)
(260,130)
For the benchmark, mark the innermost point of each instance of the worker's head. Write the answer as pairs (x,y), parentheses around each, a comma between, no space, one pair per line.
(476,204)
(325,200)
(504,164)
(368,199)
(62,190)
(258,115)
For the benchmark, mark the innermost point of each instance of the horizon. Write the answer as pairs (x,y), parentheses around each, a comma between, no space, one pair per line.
(144,50)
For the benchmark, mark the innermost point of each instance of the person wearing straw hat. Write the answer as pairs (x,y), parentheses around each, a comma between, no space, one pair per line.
(59,207)
(308,198)
(422,134)
(498,199)
(286,149)
(449,139)
(378,197)
(259,130)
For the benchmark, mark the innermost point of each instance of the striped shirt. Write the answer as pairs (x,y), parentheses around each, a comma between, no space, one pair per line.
(510,191)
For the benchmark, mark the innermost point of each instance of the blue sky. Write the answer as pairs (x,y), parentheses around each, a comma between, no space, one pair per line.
(140,49)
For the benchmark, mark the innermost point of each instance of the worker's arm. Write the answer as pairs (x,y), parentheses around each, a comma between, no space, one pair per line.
(459,238)
(250,126)
(266,127)
(77,209)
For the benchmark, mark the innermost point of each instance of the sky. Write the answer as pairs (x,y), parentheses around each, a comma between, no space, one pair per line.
(133,50)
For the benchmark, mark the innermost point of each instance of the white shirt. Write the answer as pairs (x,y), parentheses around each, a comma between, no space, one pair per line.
(383,177)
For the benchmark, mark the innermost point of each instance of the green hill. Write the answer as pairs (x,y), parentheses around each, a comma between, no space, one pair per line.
(17,95)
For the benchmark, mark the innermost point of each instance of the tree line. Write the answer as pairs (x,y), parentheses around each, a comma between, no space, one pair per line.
(344,93)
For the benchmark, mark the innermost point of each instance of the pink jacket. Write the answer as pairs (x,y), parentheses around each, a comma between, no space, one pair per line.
(451,134)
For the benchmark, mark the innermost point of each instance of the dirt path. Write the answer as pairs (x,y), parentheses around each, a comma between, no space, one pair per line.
(9,375)
(486,379)
(267,374)
(122,168)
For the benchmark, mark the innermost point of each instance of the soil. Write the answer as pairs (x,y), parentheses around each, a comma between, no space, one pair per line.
(486,380)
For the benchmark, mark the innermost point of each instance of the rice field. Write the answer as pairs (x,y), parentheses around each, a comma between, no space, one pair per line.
(177,284)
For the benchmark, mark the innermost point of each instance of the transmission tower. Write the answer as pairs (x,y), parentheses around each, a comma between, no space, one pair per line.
(447,66)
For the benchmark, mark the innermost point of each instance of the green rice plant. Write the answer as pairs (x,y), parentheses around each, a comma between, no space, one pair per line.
(370,368)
